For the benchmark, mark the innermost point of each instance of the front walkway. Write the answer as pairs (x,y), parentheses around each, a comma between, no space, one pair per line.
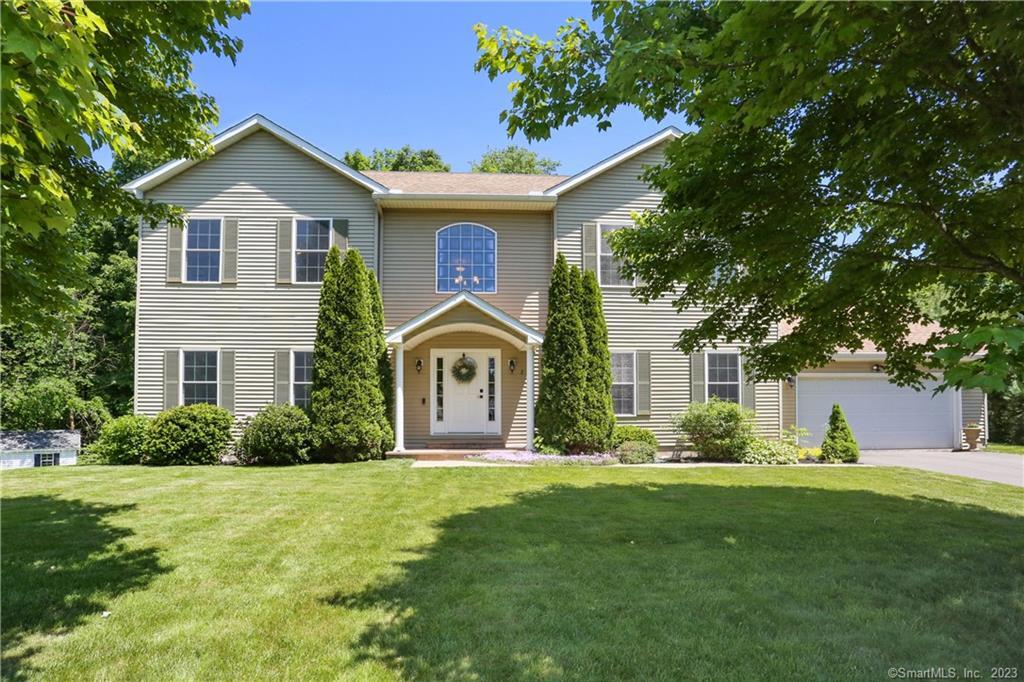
(986,466)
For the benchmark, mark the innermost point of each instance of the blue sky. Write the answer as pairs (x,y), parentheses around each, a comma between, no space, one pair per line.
(347,75)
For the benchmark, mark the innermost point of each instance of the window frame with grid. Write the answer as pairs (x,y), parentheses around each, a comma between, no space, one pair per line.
(713,376)
(297,251)
(307,376)
(631,354)
(206,381)
(603,252)
(193,223)
(441,270)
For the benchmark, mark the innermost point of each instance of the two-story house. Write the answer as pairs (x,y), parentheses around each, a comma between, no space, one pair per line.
(227,307)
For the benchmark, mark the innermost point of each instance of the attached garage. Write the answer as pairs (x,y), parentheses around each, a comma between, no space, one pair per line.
(882,415)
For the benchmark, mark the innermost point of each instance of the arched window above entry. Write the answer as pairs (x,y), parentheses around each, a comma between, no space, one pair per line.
(467,258)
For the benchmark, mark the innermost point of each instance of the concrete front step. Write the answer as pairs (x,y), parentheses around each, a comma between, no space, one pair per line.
(436,455)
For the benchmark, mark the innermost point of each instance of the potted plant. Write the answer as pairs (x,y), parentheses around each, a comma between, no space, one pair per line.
(971,434)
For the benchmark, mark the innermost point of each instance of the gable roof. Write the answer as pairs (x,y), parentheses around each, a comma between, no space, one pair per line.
(398,334)
(643,145)
(916,333)
(21,441)
(240,131)
(432,182)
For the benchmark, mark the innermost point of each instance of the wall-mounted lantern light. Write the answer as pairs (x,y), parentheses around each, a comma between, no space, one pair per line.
(419,365)
(791,381)
(876,368)
(511,366)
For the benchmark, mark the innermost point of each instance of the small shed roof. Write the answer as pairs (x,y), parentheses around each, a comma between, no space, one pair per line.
(18,441)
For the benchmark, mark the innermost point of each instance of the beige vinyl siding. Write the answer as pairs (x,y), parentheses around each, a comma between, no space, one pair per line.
(611,198)
(417,388)
(257,180)
(524,262)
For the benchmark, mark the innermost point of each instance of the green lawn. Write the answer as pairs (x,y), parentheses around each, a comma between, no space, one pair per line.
(1003,447)
(379,571)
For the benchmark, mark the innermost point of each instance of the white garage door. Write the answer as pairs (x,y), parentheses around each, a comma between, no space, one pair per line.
(882,415)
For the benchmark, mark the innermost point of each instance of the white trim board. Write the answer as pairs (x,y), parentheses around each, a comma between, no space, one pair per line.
(397,335)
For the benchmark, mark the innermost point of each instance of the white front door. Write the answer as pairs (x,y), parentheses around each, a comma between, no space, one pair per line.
(466,406)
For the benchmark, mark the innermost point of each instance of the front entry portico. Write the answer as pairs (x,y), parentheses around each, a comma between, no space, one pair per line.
(464,368)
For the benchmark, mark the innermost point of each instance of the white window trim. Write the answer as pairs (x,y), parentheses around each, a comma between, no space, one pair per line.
(739,373)
(440,428)
(625,351)
(600,230)
(437,235)
(51,455)
(295,246)
(181,371)
(291,372)
(185,250)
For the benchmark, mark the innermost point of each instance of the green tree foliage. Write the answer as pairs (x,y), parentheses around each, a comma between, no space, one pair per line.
(513,159)
(843,158)
(404,159)
(1006,415)
(188,434)
(54,403)
(349,422)
(79,76)
(600,415)
(839,444)
(385,375)
(561,406)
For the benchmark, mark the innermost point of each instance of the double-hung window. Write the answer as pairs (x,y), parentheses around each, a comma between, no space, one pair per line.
(302,378)
(467,259)
(47,459)
(723,376)
(608,264)
(199,377)
(202,250)
(624,383)
(312,242)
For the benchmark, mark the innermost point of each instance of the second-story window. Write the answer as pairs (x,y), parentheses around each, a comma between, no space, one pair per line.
(467,258)
(608,264)
(312,241)
(202,250)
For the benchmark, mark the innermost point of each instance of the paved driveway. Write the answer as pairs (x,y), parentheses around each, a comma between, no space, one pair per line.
(987,466)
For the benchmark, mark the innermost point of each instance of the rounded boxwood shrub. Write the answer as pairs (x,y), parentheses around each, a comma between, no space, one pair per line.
(763,451)
(196,434)
(278,434)
(631,432)
(839,444)
(719,430)
(121,441)
(636,452)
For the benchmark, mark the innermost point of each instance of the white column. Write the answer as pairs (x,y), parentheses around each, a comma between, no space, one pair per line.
(529,396)
(399,397)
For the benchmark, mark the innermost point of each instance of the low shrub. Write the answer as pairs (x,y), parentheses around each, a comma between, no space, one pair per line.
(763,451)
(278,434)
(196,434)
(121,441)
(540,447)
(631,432)
(636,452)
(839,444)
(719,430)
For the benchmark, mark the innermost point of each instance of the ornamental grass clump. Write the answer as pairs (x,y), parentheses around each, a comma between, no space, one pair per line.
(839,444)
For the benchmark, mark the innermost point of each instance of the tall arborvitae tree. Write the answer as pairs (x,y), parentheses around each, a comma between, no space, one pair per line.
(385,375)
(348,407)
(563,376)
(600,413)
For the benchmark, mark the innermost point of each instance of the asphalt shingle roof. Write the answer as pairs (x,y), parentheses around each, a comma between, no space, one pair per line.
(14,441)
(464,183)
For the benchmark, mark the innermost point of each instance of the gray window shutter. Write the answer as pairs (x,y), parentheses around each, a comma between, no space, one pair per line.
(282,376)
(229,269)
(341,233)
(226,372)
(697,378)
(747,389)
(56,459)
(172,375)
(590,247)
(175,237)
(37,460)
(284,250)
(643,383)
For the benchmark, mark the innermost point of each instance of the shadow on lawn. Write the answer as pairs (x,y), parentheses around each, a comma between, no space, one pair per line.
(62,561)
(699,581)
